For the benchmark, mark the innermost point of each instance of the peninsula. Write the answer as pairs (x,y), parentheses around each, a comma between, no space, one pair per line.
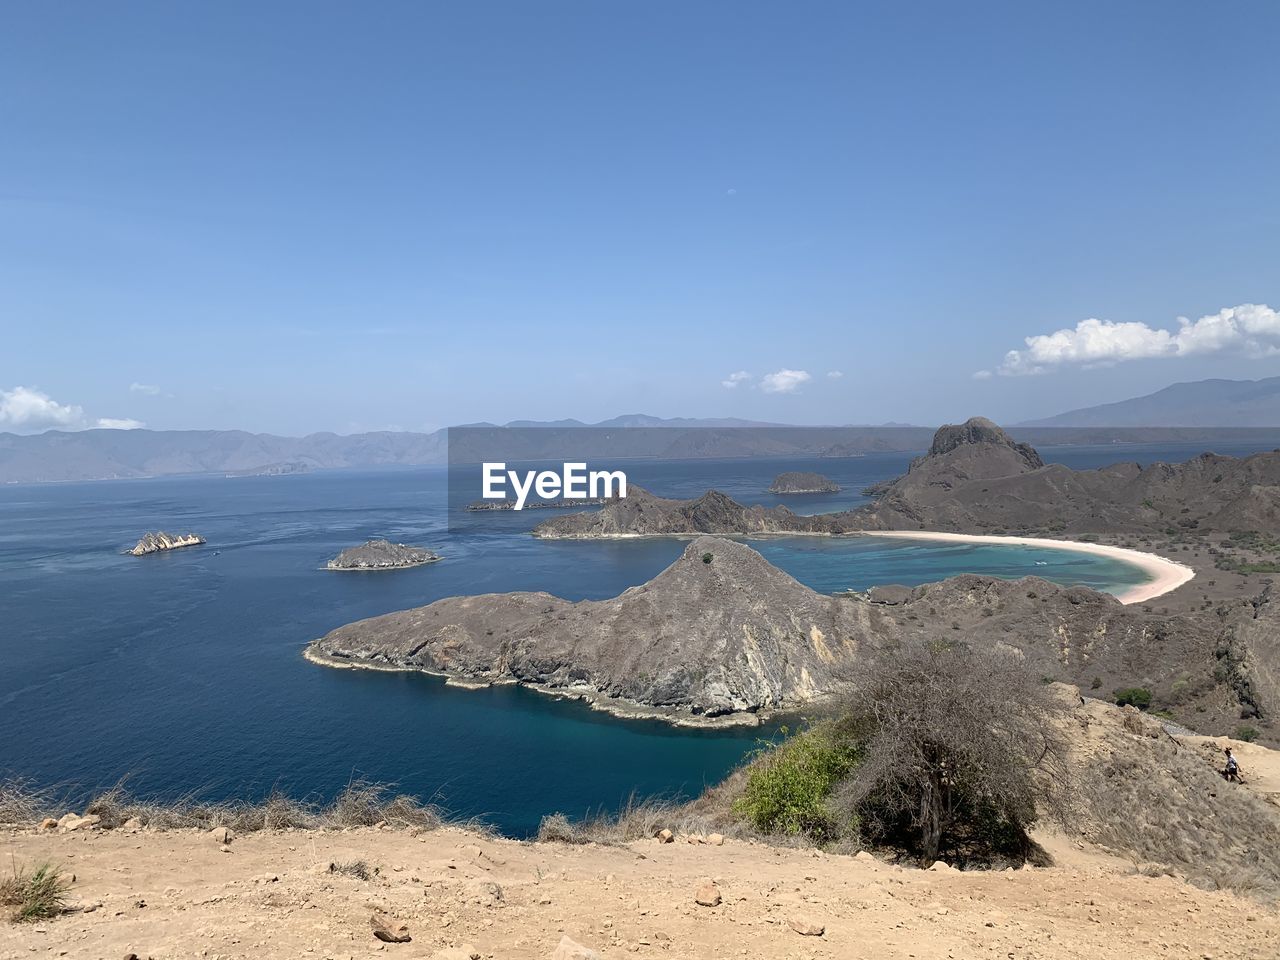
(160,541)
(722,636)
(381,555)
(797,481)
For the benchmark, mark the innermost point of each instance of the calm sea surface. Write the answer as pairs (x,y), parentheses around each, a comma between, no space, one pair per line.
(183,671)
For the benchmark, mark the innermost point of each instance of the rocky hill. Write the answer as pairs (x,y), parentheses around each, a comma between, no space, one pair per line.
(723,634)
(641,513)
(977,479)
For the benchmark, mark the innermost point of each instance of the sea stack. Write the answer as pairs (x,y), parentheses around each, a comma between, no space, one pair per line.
(159,541)
(798,481)
(381,555)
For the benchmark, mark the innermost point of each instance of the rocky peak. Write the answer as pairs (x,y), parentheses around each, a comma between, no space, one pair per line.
(981,431)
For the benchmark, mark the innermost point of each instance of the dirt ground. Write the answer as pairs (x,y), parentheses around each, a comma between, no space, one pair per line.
(272,895)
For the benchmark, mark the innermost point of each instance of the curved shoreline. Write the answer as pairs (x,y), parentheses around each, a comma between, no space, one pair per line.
(1166,575)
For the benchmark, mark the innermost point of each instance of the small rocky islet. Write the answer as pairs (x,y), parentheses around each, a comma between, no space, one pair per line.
(800,481)
(381,555)
(159,541)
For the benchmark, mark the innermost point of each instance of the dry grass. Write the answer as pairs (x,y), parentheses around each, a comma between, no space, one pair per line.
(641,820)
(21,803)
(353,868)
(34,893)
(359,805)
(1162,804)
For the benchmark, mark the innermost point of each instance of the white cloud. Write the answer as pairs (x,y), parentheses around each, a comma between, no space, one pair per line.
(28,410)
(1250,329)
(731,381)
(982,375)
(834,374)
(146,388)
(784,381)
(111,423)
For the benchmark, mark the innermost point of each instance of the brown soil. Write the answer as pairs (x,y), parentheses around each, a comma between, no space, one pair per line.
(178,894)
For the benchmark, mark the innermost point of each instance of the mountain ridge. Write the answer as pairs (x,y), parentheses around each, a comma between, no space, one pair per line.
(1195,403)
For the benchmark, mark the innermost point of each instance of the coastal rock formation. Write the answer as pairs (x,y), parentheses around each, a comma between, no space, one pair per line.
(722,632)
(160,541)
(797,481)
(640,513)
(976,479)
(381,555)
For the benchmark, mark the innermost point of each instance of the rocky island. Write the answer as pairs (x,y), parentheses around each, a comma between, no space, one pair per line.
(723,636)
(797,481)
(381,555)
(160,541)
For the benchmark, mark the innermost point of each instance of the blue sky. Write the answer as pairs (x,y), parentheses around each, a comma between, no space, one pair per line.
(303,216)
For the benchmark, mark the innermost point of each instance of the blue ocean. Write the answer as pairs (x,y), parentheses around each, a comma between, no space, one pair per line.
(182,672)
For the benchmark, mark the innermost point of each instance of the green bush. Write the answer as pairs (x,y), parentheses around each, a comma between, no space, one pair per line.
(1139,697)
(788,785)
(707,558)
(1247,733)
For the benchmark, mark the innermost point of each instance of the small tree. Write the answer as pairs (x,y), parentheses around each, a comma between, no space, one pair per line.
(961,749)
(1139,697)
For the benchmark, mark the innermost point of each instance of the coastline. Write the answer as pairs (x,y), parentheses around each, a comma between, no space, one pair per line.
(1166,575)
(589,696)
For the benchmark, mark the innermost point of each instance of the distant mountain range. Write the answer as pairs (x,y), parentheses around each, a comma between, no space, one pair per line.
(57,456)
(1201,403)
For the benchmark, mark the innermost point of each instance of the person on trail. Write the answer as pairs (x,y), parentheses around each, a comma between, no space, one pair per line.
(1232,770)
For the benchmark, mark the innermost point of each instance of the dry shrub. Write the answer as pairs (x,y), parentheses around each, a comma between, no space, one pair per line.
(959,753)
(640,820)
(358,869)
(22,803)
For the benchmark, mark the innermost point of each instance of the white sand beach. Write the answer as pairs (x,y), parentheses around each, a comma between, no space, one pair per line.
(1165,574)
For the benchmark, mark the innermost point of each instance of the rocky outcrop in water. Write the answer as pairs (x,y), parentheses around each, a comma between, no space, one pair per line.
(797,481)
(721,633)
(161,541)
(381,555)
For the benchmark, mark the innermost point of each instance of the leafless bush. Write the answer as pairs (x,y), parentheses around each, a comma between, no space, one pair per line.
(959,752)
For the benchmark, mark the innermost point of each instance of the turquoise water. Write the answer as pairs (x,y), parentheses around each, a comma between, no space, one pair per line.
(183,671)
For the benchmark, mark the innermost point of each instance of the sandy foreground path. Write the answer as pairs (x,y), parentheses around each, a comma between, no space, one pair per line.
(177,894)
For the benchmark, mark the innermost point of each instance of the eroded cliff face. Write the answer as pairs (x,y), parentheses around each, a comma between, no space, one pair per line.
(721,633)
(159,541)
